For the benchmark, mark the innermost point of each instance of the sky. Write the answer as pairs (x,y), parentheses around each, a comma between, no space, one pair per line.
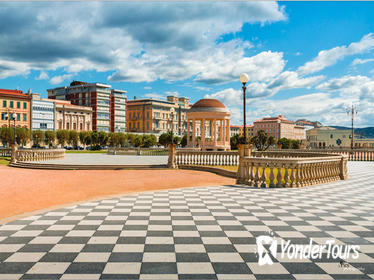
(307,60)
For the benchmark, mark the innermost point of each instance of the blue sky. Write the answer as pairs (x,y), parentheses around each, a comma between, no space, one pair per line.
(304,59)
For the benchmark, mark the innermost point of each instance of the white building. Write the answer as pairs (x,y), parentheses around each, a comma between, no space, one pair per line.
(42,113)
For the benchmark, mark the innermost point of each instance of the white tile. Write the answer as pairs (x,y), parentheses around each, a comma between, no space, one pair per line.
(92,257)
(189,248)
(25,257)
(275,268)
(193,268)
(159,240)
(238,233)
(12,227)
(312,276)
(103,240)
(158,277)
(27,233)
(80,233)
(61,227)
(10,276)
(80,277)
(9,248)
(67,248)
(49,268)
(215,240)
(187,233)
(134,233)
(122,268)
(46,240)
(225,257)
(110,227)
(159,257)
(335,268)
(130,248)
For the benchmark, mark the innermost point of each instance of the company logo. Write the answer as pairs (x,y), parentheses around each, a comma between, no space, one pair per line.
(303,251)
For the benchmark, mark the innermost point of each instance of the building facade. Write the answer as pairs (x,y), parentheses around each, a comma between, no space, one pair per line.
(15,102)
(72,117)
(108,105)
(154,116)
(329,137)
(42,113)
(280,127)
(238,129)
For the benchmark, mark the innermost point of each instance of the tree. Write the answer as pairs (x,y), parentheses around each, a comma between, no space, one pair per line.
(122,139)
(295,144)
(82,137)
(37,137)
(62,137)
(176,140)
(285,143)
(184,141)
(103,138)
(73,138)
(262,141)
(164,139)
(131,138)
(235,141)
(113,139)
(50,137)
(22,136)
(6,135)
(138,141)
(149,140)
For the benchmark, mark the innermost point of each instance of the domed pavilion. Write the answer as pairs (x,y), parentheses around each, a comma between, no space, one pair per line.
(210,121)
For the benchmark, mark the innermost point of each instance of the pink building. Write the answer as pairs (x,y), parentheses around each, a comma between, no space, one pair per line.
(280,127)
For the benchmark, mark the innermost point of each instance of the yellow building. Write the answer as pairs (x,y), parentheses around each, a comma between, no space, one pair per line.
(329,137)
(238,129)
(15,102)
(154,116)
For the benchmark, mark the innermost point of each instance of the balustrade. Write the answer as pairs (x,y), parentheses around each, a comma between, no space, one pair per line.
(39,155)
(5,152)
(221,158)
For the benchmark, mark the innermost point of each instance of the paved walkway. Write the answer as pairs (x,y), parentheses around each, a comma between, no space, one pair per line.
(197,233)
(104,159)
(25,190)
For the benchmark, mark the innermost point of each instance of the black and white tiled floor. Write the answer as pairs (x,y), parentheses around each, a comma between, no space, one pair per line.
(196,233)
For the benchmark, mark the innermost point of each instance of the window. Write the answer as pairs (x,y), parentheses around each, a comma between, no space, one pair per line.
(18,117)
(24,105)
(43,126)
(4,103)
(4,116)
(331,136)
(11,104)
(18,105)
(24,117)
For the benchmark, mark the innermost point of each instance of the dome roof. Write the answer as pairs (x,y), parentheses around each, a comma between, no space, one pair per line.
(208,103)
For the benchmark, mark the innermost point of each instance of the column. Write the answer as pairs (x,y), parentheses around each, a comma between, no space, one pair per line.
(188,133)
(215,131)
(221,130)
(211,130)
(193,133)
(228,130)
(202,128)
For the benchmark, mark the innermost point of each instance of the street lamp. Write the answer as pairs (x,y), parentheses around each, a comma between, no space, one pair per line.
(14,115)
(172,111)
(352,111)
(244,79)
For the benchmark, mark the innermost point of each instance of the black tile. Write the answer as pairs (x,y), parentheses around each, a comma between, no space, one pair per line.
(159,248)
(187,240)
(41,276)
(85,268)
(302,268)
(74,240)
(119,276)
(197,276)
(159,268)
(107,233)
(219,248)
(15,267)
(192,257)
(159,233)
(98,248)
(58,257)
(126,257)
(231,268)
(131,240)
(36,248)
(17,240)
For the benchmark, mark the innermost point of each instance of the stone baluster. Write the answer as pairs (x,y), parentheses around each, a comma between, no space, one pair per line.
(279,176)
(271,176)
(263,175)
(257,176)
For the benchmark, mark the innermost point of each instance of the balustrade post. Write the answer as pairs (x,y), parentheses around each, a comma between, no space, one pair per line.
(343,168)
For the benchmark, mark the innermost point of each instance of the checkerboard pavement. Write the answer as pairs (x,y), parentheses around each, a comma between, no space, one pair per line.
(196,233)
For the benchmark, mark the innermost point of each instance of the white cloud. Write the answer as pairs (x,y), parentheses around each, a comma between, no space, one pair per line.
(329,57)
(42,76)
(358,61)
(59,79)
(155,95)
(147,88)
(169,41)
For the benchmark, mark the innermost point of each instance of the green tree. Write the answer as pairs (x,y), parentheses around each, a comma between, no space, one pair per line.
(73,138)
(131,138)
(138,141)
(22,136)
(235,140)
(285,142)
(149,140)
(6,136)
(262,141)
(37,137)
(82,137)
(50,137)
(103,138)
(184,141)
(62,137)
(122,139)
(295,144)
(113,139)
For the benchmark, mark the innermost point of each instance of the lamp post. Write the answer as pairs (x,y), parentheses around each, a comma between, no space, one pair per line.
(13,146)
(244,79)
(352,111)
(172,111)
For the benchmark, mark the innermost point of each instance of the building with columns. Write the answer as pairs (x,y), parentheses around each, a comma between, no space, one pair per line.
(208,125)
(72,117)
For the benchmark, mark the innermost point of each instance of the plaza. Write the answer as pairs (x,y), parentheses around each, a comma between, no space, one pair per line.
(195,233)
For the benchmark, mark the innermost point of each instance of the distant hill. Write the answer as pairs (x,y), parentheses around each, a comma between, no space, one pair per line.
(366,132)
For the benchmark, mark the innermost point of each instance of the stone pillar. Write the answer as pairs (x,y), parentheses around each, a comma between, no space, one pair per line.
(188,134)
(221,130)
(193,133)
(211,130)
(343,168)
(244,151)
(202,129)
(215,131)
(171,161)
(13,158)
(228,130)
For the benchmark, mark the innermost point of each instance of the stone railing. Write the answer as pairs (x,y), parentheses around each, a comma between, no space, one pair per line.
(353,155)
(206,158)
(139,151)
(296,169)
(5,152)
(39,154)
